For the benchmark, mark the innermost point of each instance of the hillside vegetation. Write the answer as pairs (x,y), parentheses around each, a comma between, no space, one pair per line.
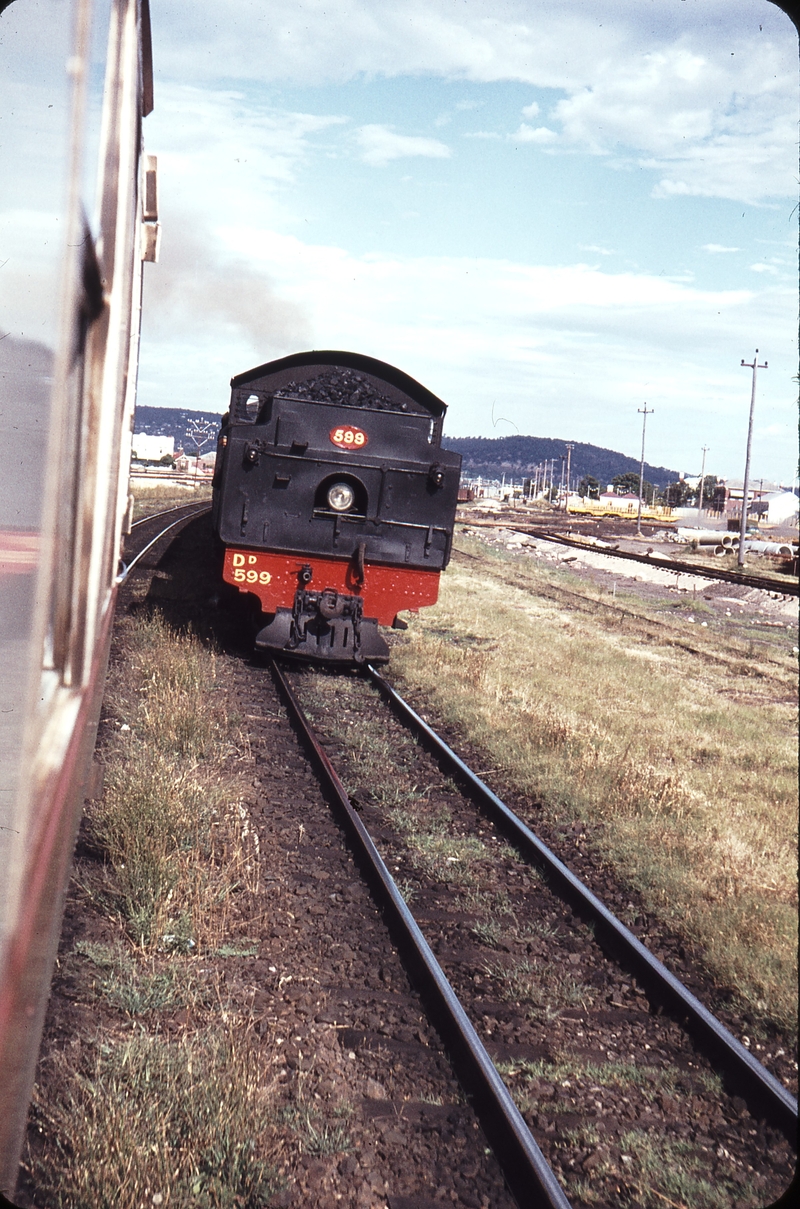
(517,457)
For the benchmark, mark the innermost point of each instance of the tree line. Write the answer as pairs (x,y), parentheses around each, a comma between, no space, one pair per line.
(675,495)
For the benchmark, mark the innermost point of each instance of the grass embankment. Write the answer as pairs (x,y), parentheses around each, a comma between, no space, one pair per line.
(684,767)
(157,496)
(162,1096)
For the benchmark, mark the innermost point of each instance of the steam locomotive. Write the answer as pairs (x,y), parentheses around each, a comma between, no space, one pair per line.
(334,501)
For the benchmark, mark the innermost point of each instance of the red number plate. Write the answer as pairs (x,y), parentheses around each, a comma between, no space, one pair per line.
(348,437)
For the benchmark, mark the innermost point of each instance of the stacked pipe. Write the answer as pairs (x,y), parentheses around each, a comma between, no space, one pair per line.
(707,537)
(782,549)
(723,543)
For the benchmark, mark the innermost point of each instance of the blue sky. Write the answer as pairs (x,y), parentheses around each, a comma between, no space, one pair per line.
(548,213)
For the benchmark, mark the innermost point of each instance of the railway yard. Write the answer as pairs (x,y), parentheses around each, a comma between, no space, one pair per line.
(237,1017)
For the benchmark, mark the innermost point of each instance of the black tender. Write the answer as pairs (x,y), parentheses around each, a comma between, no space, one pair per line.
(276,463)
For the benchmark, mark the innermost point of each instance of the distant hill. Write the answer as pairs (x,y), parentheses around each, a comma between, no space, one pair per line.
(172,422)
(488,457)
(517,457)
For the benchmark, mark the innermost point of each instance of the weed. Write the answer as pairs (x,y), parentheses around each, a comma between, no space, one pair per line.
(547,990)
(158,823)
(320,1138)
(488,932)
(408,890)
(184,1119)
(244,949)
(678,1169)
(187,1119)
(133,989)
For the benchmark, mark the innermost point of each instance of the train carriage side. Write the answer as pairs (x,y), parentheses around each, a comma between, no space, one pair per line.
(77,220)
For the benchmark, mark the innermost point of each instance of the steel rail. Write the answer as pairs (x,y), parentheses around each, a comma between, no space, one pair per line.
(525,1168)
(127,568)
(765,1094)
(788,588)
(153,516)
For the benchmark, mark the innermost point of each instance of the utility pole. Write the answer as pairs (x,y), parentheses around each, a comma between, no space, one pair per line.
(702,481)
(569,457)
(644,413)
(743,526)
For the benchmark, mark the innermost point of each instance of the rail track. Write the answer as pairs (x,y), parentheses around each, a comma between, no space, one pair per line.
(148,523)
(152,516)
(650,626)
(649,990)
(767,583)
(580,1071)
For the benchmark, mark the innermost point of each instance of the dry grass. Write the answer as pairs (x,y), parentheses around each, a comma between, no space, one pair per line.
(136,1111)
(145,1121)
(173,843)
(684,768)
(153,497)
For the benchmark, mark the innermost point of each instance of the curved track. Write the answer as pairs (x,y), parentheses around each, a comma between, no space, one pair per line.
(766,583)
(152,516)
(188,511)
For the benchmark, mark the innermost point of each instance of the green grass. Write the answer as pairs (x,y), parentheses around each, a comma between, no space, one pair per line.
(660,1170)
(131,986)
(522,982)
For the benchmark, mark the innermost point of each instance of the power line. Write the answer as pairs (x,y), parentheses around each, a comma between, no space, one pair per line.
(644,413)
(753,365)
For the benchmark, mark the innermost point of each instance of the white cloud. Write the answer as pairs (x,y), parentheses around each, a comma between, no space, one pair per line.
(529,134)
(330,41)
(217,144)
(326,41)
(704,96)
(568,344)
(715,126)
(592,247)
(380,144)
(717,247)
(551,342)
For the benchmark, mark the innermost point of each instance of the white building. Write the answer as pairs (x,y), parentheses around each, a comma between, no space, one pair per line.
(783,506)
(151,449)
(622,503)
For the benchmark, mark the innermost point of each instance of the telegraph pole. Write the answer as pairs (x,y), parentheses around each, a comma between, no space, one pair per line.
(702,479)
(569,456)
(644,413)
(753,365)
